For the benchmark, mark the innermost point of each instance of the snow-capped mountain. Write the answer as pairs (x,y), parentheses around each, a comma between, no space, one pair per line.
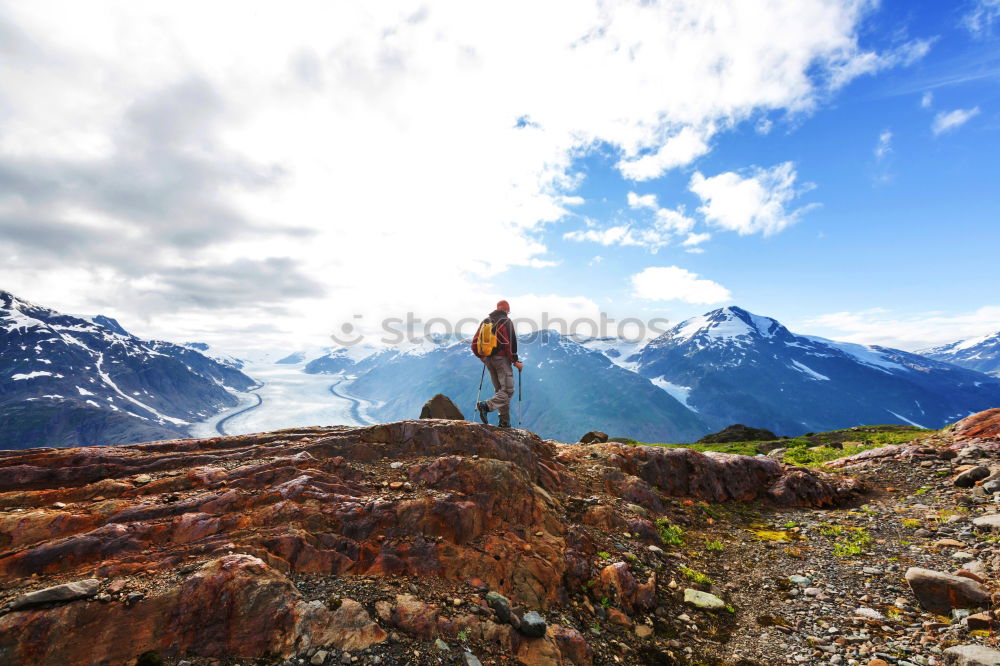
(732,366)
(567,388)
(67,380)
(982,353)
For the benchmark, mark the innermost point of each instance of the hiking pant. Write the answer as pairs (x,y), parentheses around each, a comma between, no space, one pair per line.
(502,374)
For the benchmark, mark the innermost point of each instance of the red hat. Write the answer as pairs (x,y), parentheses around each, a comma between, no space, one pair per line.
(503,305)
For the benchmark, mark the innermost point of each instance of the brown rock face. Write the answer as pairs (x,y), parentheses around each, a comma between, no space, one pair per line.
(441,407)
(984,425)
(221,528)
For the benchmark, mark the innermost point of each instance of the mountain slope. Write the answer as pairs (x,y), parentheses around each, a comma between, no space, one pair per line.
(567,389)
(67,380)
(733,366)
(981,354)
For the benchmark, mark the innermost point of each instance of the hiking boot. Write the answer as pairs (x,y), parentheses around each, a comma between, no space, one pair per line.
(483,412)
(504,421)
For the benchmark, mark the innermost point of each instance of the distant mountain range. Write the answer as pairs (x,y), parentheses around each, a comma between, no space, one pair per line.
(981,354)
(732,366)
(67,381)
(726,366)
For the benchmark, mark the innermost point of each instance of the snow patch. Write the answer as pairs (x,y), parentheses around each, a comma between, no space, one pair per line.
(679,393)
(903,418)
(30,375)
(809,371)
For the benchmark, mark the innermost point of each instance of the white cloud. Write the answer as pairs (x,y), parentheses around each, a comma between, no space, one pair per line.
(884,145)
(672,283)
(980,19)
(926,100)
(695,239)
(946,121)
(644,201)
(653,234)
(906,331)
(358,142)
(755,203)
(679,150)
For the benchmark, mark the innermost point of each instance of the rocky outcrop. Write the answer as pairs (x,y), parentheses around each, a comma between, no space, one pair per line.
(941,592)
(230,546)
(738,433)
(441,407)
(594,437)
(984,425)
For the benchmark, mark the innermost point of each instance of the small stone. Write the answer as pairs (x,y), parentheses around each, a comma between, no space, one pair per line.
(133,597)
(979,621)
(948,543)
(500,606)
(396,485)
(703,600)
(441,645)
(319,658)
(470,659)
(878,662)
(962,556)
(532,625)
(59,505)
(345,658)
(868,613)
(395,465)
(142,479)
(812,591)
(456,602)
(800,580)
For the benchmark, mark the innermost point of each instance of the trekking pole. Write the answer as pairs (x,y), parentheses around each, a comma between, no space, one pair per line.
(475,409)
(519,411)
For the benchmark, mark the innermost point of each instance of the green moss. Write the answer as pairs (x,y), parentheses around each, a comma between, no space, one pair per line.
(671,535)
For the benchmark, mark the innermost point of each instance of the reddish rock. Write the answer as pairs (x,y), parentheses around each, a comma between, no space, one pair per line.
(984,425)
(940,592)
(311,501)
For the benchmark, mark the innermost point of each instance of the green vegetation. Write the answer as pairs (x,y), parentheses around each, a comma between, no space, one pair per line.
(463,635)
(847,541)
(921,490)
(831,445)
(606,602)
(696,576)
(671,535)
(604,555)
(714,546)
(911,523)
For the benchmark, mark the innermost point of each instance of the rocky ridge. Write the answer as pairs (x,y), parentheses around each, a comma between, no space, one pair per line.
(413,542)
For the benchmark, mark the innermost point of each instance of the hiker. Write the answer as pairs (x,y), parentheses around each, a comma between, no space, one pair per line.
(495,344)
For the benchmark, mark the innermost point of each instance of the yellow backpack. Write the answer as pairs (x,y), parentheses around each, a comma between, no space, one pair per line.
(487,340)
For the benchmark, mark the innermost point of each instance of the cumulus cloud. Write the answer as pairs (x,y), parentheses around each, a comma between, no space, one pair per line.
(884,145)
(672,283)
(757,202)
(926,100)
(909,331)
(355,143)
(947,121)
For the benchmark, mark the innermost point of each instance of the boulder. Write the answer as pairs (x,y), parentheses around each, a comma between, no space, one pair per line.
(594,437)
(983,425)
(972,655)
(988,522)
(940,592)
(441,407)
(738,433)
(968,478)
(80,589)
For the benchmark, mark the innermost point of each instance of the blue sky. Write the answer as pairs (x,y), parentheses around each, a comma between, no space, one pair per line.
(912,231)
(831,163)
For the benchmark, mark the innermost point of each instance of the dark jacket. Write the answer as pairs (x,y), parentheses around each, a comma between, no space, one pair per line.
(506,337)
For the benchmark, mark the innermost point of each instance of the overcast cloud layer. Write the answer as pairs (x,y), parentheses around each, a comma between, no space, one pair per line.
(259,167)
